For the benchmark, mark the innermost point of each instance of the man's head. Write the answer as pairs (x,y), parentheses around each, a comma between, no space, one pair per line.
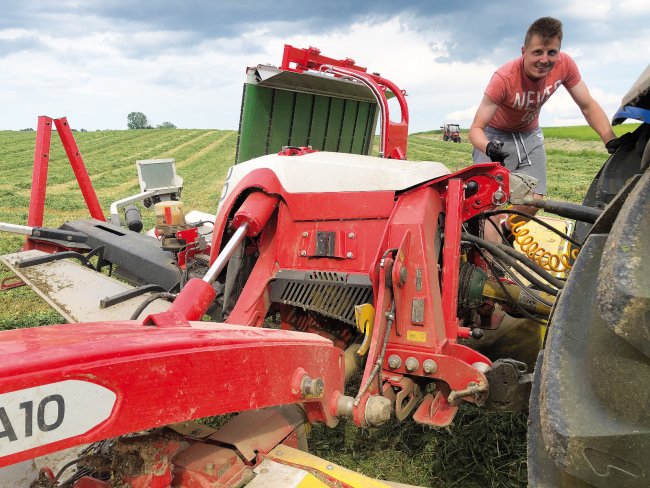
(541,47)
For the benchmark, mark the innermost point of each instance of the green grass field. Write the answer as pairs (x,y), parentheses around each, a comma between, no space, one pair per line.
(481,449)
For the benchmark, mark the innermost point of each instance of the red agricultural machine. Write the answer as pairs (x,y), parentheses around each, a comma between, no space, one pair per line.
(322,261)
(450,132)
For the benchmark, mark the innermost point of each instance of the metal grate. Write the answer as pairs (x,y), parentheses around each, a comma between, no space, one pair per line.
(329,293)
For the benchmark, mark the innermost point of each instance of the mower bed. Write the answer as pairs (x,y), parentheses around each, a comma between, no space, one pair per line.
(75,291)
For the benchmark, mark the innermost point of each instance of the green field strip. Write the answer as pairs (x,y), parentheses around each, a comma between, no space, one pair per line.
(191,152)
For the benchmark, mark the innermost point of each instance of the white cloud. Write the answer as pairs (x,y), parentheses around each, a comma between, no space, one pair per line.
(96,78)
(462,117)
(587,9)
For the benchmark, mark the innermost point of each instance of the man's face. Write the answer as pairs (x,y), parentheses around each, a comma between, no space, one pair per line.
(540,56)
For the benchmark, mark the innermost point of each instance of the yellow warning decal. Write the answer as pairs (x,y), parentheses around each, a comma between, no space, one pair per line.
(416,336)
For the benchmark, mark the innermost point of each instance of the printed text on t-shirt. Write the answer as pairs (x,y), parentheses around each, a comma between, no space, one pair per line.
(523,100)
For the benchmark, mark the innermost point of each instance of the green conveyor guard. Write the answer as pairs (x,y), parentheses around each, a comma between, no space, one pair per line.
(330,116)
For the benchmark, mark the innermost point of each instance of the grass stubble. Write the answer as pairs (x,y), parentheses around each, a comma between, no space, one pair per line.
(480,449)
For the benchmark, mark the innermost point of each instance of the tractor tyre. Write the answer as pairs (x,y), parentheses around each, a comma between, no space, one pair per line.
(589,421)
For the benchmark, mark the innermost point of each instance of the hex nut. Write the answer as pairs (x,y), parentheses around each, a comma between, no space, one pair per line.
(411,364)
(429,366)
(394,361)
(303,253)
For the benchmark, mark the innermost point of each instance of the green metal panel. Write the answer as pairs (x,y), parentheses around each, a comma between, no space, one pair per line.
(369,133)
(292,109)
(334,124)
(301,119)
(358,146)
(347,127)
(282,120)
(256,110)
(319,122)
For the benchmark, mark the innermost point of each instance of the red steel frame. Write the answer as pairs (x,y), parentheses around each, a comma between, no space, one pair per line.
(165,374)
(379,221)
(394,135)
(39,174)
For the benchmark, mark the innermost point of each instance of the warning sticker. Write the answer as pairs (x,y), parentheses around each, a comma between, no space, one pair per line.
(416,336)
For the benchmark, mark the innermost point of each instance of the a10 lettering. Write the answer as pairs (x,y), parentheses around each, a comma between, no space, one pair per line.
(56,401)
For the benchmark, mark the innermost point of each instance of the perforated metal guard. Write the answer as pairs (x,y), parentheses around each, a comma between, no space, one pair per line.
(328,293)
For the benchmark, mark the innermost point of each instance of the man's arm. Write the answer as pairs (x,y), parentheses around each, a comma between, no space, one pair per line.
(593,112)
(486,110)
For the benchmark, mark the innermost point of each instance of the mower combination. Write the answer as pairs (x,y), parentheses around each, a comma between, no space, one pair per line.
(323,261)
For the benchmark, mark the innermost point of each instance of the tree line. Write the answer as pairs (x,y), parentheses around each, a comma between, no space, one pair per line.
(138,120)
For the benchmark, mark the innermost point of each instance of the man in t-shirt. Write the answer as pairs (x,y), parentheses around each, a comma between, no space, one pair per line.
(506,125)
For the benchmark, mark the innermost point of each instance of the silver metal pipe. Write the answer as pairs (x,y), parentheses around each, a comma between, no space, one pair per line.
(16,229)
(225,255)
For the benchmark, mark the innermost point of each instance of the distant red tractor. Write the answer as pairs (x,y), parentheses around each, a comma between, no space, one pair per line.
(451,132)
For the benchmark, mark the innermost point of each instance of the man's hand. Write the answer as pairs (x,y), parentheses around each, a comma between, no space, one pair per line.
(626,141)
(495,153)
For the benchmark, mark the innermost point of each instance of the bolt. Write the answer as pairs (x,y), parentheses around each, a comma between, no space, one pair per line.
(429,366)
(394,361)
(477,334)
(312,388)
(411,364)
(305,234)
(330,467)
(303,253)
(36,233)
(403,275)
(351,235)
(350,255)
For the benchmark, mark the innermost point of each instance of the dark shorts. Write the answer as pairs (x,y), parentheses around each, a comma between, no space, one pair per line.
(527,153)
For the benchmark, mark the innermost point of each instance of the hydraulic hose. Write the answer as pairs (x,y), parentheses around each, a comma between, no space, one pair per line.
(526,261)
(534,219)
(565,209)
(513,262)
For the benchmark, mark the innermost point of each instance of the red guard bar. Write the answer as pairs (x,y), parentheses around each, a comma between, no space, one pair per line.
(39,174)
(79,169)
(451,256)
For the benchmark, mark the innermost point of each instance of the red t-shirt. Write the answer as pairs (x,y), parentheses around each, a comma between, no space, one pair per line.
(520,99)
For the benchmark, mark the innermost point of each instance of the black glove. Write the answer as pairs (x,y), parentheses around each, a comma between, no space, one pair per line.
(495,153)
(627,141)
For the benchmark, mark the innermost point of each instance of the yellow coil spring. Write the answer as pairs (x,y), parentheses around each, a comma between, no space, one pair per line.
(546,259)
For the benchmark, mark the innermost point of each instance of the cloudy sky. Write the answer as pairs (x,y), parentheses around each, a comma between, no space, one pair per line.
(184,61)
